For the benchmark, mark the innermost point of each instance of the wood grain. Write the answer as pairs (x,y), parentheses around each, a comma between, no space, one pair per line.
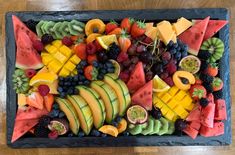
(61,5)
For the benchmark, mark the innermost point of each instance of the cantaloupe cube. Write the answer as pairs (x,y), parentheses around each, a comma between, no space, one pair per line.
(181,25)
(173,90)
(65,51)
(51,49)
(57,43)
(60,57)
(75,59)
(69,66)
(165,31)
(180,95)
(166,97)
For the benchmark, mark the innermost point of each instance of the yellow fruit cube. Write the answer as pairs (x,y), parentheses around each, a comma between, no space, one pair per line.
(184,115)
(170,115)
(75,59)
(190,107)
(173,90)
(186,101)
(64,72)
(46,58)
(60,57)
(180,95)
(51,49)
(160,94)
(166,97)
(172,103)
(179,110)
(57,43)
(65,51)
(158,102)
(54,66)
(75,72)
(164,110)
(70,66)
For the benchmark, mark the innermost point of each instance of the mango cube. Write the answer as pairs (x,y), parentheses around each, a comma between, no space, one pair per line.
(65,50)
(70,66)
(54,66)
(57,43)
(51,49)
(60,57)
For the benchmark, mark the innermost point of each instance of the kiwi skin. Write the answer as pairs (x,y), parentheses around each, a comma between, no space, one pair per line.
(215,46)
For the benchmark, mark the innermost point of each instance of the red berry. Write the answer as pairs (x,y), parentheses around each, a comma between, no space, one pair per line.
(67,41)
(164,75)
(30,73)
(90,48)
(171,68)
(123,56)
(124,76)
(147,40)
(53,134)
(38,45)
(98,46)
(43,89)
(166,56)
(169,81)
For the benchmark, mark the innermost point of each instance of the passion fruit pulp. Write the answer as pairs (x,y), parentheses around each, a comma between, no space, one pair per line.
(136,114)
(59,125)
(190,63)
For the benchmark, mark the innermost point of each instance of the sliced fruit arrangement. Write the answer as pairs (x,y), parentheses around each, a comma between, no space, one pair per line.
(118,79)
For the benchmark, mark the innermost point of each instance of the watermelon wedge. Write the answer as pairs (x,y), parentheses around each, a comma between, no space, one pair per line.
(207,115)
(217,130)
(195,124)
(143,96)
(28,113)
(195,114)
(21,127)
(193,37)
(213,27)
(191,132)
(26,56)
(220,110)
(137,78)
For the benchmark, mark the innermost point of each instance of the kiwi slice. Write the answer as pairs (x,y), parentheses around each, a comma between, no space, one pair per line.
(157,126)
(190,63)
(49,27)
(136,130)
(164,127)
(215,46)
(171,127)
(76,27)
(39,28)
(64,28)
(20,81)
(149,128)
(58,34)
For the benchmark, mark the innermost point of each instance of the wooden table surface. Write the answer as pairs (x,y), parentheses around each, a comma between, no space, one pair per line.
(62,5)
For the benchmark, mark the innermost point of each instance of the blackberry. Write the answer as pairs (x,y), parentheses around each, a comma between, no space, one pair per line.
(203,102)
(41,131)
(208,87)
(156,113)
(218,94)
(102,56)
(113,51)
(180,124)
(206,78)
(204,54)
(204,65)
(47,39)
(31,24)
(44,120)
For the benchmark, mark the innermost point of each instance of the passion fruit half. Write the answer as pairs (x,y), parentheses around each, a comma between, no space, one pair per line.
(136,114)
(59,125)
(190,63)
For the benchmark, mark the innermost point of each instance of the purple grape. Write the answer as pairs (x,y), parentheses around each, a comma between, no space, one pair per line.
(166,56)
(149,76)
(132,49)
(127,63)
(134,60)
(164,75)
(141,48)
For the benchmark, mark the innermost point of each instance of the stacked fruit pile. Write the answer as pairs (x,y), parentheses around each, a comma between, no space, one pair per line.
(96,79)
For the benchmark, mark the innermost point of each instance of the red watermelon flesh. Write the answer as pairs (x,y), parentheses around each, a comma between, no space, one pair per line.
(21,127)
(213,27)
(191,132)
(137,78)
(30,113)
(195,124)
(220,110)
(210,98)
(195,114)
(217,130)
(143,96)
(26,56)
(207,115)
(193,37)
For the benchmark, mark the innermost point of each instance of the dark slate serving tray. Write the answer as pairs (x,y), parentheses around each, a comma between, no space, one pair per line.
(148,15)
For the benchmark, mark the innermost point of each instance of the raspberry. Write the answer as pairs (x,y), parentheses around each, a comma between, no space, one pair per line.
(53,134)
(171,68)
(30,73)
(123,56)
(98,46)
(67,41)
(38,45)
(47,39)
(169,81)
(124,76)
(43,89)
(90,48)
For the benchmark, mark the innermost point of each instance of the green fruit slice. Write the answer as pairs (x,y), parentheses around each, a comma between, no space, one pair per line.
(190,63)
(137,114)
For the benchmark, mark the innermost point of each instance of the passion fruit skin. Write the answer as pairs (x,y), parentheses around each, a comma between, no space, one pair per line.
(137,121)
(59,121)
(185,64)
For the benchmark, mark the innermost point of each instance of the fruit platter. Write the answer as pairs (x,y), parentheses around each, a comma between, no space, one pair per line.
(118,78)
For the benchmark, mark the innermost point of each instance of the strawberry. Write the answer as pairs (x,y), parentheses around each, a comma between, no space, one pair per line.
(212,69)
(98,46)
(197,92)
(198,80)
(110,26)
(80,50)
(67,41)
(138,29)
(90,72)
(217,84)
(91,58)
(126,24)
(124,42)
(91,48)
